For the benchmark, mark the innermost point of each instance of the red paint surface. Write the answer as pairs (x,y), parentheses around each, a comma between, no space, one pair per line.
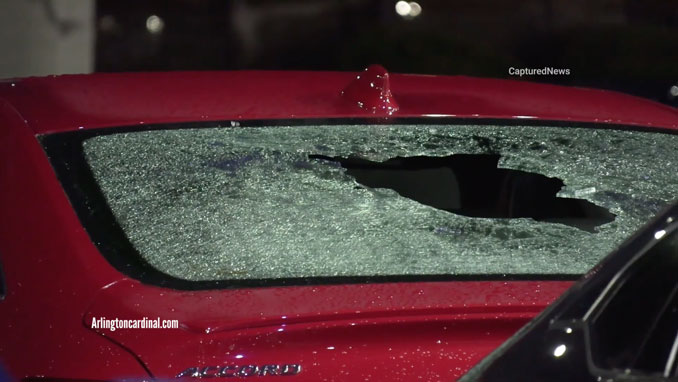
(88,101)
(57,281)
(382,332)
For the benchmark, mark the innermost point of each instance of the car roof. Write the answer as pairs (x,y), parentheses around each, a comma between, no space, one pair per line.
(71,102)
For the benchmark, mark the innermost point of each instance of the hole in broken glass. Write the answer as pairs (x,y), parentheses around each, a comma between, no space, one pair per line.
(472,185)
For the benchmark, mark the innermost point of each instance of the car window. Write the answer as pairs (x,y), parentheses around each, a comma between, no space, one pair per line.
(225,203)
(641,334)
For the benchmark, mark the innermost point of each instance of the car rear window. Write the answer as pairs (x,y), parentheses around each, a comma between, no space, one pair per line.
(318,201)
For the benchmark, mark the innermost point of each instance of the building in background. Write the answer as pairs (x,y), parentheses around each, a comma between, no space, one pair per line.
(41,37)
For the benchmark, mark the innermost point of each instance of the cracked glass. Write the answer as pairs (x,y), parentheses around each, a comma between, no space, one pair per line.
(227,203)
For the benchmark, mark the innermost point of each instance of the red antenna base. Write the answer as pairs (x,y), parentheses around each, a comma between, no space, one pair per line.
(371,90)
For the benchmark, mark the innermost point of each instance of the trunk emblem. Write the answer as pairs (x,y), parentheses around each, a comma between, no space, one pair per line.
(240,371)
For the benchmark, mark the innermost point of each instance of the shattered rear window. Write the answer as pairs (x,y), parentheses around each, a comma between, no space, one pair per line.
(361,200)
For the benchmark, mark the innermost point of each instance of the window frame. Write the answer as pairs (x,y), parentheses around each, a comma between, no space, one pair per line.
(65,152)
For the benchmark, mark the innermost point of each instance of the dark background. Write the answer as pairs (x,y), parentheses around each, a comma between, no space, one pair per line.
(625,45)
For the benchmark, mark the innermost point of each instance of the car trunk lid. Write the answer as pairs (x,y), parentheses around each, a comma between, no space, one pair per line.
(390,331)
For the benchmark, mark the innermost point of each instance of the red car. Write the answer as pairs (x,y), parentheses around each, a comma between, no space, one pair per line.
(320,226)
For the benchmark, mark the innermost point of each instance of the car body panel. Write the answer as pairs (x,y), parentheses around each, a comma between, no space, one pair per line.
(57,280)
(330,330)
(70,102)
(41,239)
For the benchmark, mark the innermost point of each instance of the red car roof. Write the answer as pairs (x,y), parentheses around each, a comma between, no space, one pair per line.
(69,102)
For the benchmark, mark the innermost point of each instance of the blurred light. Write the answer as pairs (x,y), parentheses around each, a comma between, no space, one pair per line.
(674,90)
(330,348)
(408,9)
(403,8)
(154,24)
(659,234)
(415,9)
(559,350)
(239,356)
(568,330)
